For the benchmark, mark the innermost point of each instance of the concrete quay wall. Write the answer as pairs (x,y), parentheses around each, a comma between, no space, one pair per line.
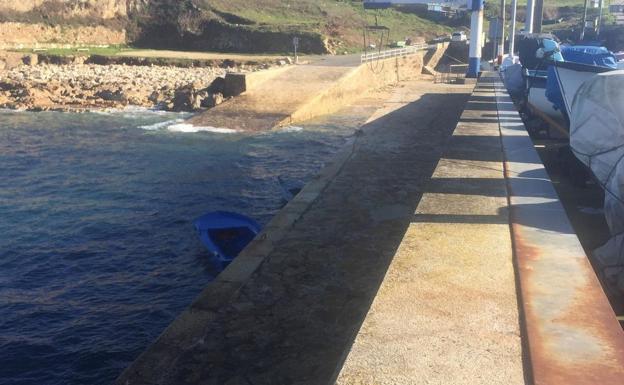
(356,83)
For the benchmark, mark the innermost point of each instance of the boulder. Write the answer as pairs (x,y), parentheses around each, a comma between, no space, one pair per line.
(31,60)
(9,85)
(39,99)
(111,95)
(154,97)
(212,100)
(11,59)
(184,98)
(217,86)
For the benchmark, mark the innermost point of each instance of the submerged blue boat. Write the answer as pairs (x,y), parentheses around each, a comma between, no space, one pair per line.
(226,234)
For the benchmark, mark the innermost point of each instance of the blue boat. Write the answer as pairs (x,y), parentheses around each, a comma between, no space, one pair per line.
(537,52)
(566,77)
(554,73)
(226,234)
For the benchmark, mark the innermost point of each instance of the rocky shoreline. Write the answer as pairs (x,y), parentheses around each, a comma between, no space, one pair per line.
(84,87)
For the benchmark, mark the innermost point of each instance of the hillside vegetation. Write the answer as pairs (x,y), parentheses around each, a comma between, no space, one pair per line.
(254,26)
(269,25)
(226,25)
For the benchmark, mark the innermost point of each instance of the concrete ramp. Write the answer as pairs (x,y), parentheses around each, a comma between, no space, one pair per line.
(303,92)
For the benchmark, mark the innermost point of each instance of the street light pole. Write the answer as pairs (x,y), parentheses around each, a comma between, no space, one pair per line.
(501,44)
(528,22)
(582,37)
(512,32)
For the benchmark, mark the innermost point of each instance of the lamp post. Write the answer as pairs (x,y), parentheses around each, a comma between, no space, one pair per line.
(512,32)
(528,22)
(501,45)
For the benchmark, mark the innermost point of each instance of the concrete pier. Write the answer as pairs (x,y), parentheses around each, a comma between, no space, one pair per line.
(298,93)
(447,311)
(428,252)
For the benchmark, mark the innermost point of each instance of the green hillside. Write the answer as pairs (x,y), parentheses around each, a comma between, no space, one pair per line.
(262,25)
(339,20)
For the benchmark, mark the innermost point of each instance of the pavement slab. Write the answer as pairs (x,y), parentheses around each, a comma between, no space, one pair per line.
(447,311)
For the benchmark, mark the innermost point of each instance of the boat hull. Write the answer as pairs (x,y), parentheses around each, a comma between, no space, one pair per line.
(570,77)
(537,99)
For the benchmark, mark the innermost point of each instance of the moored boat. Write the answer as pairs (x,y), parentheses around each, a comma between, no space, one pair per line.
(226,234)
(580,64)
(597,140)
(537,52)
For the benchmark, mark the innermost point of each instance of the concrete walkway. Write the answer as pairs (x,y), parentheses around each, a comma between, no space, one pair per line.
(447,311)
(302,92)
(288,308)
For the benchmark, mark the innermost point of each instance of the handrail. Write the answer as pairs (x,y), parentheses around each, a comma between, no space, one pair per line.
(396,52)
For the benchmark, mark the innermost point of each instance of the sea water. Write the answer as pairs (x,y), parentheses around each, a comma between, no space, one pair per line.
(97,249)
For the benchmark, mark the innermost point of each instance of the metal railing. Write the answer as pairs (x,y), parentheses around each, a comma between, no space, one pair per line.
(396,52)
(455,71)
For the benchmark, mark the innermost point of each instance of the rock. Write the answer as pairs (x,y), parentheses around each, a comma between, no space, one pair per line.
(4,100)
(154,97)
(212,100)
(85,86)
(184,99)
(217,86)
(9,85)
(78,60)
(112,95)
(11,59)
(31,60)
(197,103)
(38,98)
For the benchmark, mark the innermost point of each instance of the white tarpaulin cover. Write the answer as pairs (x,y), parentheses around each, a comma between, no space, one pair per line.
(597,139)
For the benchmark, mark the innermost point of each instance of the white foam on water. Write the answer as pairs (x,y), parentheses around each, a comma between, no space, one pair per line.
(291,129)
(10,110)
(161,125)
(185,127)
(137,111)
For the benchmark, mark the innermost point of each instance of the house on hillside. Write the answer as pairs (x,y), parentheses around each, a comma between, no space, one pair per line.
(617,10)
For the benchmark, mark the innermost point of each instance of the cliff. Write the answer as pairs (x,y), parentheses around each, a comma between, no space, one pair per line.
(70,9)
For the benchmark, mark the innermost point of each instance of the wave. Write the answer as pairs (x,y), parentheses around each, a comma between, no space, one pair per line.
(160,125)
(186,127)
(137,111)
(291,129)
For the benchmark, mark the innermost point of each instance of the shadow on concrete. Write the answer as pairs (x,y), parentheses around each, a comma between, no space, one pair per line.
(458,218)
(491,187)
(295,318)
(481,106)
